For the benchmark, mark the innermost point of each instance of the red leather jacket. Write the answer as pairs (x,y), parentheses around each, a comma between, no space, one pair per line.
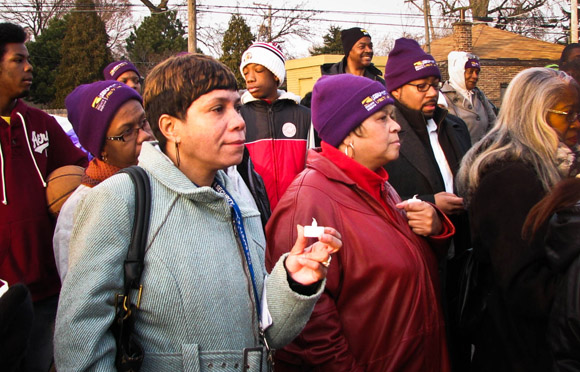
(380,310)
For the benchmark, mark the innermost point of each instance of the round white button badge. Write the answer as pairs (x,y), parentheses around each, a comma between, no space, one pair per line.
(289,129)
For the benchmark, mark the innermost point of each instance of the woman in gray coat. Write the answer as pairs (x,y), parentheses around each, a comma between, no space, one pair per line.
(205,301)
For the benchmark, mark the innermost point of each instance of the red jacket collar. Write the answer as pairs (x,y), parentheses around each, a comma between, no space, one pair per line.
(366,179)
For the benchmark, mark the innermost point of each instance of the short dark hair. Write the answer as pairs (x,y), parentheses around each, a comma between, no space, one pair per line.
(572,68)
(10,33)
(173,85)
(566,53)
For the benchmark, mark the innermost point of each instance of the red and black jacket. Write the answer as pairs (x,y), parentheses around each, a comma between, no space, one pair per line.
(277,136)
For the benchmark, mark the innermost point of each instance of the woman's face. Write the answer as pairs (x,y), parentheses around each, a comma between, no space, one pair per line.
(213,134)
(379,143)
(566,125)
(130,129)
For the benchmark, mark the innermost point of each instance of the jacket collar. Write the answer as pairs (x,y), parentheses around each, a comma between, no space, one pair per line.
(416,119)
(164,171)
(282,95)
(372,182)
(339,68)
(329,169)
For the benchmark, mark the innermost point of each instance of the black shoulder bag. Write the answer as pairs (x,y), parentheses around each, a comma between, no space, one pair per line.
(129,351)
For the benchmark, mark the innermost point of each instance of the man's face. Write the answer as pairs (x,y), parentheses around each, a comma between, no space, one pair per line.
(131,79)
(574,54)
(471,77)
(261,82)
(361,54)
(410,96)
(15,72)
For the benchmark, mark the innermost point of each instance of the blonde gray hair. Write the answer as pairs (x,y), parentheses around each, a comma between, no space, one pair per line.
(521,130)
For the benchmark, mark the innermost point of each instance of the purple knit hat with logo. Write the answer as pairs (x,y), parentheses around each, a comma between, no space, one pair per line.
(91,107)
(473,62)
(407,62)
(117,68)
(340,103)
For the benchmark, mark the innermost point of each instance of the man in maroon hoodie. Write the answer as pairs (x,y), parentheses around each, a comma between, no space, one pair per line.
(32,145)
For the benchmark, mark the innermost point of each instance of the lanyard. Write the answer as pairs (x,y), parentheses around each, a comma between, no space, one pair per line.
(239,224)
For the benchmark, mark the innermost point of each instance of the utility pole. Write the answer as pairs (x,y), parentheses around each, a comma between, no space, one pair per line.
(269,20)
(574,21)
(191,24)
(426,16)
(270,24)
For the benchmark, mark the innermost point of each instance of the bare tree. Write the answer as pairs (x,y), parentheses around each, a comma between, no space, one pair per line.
(118,22)
(34,14)
(162,7)
(525,17)
(279,23)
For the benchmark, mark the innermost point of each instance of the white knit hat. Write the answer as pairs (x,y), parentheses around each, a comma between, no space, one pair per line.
(268,55)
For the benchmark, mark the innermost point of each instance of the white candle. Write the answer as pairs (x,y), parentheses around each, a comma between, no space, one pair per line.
(313,231)
(414,199)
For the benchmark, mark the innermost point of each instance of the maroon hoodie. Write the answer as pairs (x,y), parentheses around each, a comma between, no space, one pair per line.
(31,147)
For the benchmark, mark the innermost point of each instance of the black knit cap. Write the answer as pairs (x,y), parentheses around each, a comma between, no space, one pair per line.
(351,36)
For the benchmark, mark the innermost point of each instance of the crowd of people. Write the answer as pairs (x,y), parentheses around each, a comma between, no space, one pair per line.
(396,224)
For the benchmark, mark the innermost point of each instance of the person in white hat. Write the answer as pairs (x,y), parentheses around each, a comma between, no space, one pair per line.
(278,127)
(464,98)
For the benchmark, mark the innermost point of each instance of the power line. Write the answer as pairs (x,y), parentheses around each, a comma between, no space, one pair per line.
(250,12)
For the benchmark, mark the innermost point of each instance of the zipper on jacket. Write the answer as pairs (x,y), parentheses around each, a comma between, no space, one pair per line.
(271,124)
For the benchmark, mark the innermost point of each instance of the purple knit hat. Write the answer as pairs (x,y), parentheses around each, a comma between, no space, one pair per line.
(117,68)
(91,107)
(340,103)
(408,62)
(472,63)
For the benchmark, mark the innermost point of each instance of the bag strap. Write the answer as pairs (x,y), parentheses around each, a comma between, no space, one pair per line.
(129,354)
(133,264)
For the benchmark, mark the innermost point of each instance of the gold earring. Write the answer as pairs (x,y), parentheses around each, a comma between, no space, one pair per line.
(351,145)
(177,154)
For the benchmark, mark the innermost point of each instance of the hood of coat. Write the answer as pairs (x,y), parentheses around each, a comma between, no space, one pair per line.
(456,68)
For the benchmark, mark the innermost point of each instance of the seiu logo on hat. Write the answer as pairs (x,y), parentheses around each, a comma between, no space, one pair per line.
(472,64)
(101,100)
(371,102)
(419,65)
(114,70)
(365,32)
(247,56)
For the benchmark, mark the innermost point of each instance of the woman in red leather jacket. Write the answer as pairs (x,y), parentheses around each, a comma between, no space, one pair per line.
(380,310)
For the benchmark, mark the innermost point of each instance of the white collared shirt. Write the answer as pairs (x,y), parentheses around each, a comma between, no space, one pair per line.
(440,156)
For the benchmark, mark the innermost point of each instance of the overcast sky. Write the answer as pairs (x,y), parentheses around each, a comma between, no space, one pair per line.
(385,23)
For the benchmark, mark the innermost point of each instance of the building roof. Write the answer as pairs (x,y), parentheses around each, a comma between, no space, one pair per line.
(493,43)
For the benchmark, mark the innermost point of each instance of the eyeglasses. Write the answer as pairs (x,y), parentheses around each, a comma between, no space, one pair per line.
(423,87)
(571,116)
(130,134)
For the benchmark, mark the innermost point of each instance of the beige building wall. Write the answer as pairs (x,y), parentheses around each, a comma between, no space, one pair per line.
(302,73)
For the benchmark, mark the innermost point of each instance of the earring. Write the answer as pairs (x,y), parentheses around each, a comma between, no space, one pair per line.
(177,154)
(351,145)
(104,157)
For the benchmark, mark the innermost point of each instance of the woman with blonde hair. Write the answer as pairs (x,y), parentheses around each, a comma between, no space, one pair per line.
(531,147)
